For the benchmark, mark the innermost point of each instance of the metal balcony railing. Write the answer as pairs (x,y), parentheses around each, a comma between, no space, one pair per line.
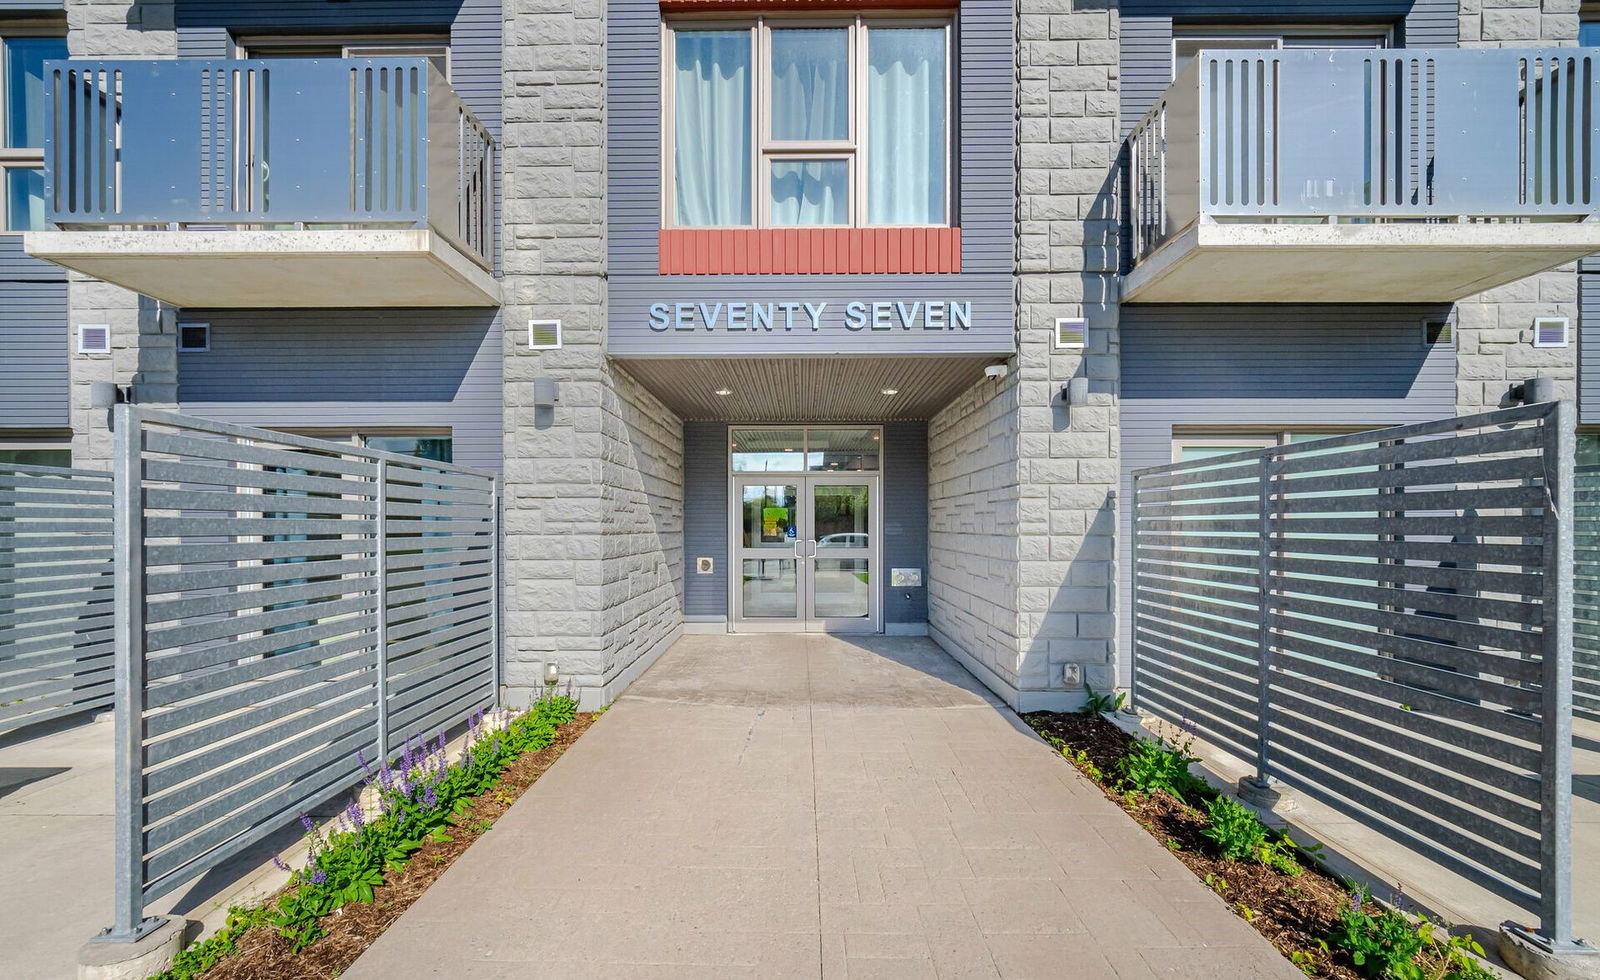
(1418,134)
(291,143)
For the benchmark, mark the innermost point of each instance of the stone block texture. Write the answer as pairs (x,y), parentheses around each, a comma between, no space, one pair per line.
(593,487)
(1058,605)
(1494,335)
(144,335)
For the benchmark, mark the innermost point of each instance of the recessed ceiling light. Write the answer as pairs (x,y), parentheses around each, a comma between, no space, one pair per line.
(891,391)
(724,392)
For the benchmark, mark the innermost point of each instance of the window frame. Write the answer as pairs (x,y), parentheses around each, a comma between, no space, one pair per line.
(428,46)
(1280,34)
(44,444)
(19,158)
(764,149)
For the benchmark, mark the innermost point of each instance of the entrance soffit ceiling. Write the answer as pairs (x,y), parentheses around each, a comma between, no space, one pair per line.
(809,389)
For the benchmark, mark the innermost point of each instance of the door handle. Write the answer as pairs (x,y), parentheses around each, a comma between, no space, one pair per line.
(813,553)
(799,549)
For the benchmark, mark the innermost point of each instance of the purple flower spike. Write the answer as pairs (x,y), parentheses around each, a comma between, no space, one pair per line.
(357,818)
(361,757)
(277,862)
(305,821)
(430,799)
(1355,901)
(319,877)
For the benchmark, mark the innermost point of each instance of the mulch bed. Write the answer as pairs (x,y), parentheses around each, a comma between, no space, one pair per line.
(1293,913)
(264,955)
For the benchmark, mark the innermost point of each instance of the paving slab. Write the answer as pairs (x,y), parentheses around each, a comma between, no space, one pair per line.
(815,806)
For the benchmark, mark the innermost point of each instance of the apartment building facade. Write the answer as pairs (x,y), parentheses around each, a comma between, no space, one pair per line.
(801,316)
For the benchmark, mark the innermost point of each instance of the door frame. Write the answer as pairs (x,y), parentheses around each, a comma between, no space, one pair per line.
(803,623)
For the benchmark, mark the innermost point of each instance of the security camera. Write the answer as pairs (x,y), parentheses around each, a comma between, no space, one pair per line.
(995,371)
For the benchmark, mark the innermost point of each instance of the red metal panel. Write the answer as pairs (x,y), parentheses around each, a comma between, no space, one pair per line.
(808,251)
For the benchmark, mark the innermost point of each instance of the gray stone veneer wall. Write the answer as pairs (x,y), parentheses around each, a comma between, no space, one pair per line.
(1061,489)
(144,338)
(1494,334)
(593,488)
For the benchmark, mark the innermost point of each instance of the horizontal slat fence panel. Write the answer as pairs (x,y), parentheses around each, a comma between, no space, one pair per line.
(55,593)
(290,603)
(1381,620)
(1586,584)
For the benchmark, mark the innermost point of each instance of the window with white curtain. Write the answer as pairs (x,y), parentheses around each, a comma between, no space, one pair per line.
(782,123)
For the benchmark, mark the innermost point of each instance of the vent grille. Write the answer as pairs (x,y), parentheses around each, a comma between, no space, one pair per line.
(194,337)
(94,338)
(1071,333)
(1439,333)
(1550,332)
(544,334)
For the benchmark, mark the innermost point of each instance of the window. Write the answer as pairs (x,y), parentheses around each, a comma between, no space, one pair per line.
(1589,26)
(34,454)
(22,109)
(802,450)
(1188,42)
(826,123)
(436,50)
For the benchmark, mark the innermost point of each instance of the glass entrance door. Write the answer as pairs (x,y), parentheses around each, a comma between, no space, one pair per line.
(805,553)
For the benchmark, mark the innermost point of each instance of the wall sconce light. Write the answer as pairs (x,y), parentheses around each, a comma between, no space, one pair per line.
(1534,391)
(551,674)
(546,392)
(105,394)
(1075,392)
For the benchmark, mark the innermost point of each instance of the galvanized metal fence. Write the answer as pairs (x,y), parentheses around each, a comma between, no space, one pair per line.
(1586,588)
(1382,621)
(55,593)
(285,603)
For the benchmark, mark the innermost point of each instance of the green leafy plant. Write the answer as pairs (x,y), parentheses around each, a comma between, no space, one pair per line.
(1154,765)
(1241,836)
(420,797)
(195,960)
(1099,704)
(1306,961)
(1383,942)
(1080,758)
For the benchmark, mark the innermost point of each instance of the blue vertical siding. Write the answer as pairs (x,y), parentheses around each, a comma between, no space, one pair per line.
(905,518)
(1278,366)
(705,519)
(369,369)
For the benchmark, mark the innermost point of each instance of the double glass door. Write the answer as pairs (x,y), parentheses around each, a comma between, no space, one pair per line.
(805,553)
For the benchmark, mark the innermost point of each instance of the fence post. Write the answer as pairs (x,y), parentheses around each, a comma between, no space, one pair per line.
(1555,872)
(128,584)
(1264,626)
(494,590)
(1133,573)
(381,546)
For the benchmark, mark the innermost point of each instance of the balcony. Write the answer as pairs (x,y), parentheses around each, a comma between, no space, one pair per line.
(1417,175)
(270,183)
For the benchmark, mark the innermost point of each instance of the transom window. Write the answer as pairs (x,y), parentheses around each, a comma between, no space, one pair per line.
(23,53)
(806,449)
(782,123)
(1190,41)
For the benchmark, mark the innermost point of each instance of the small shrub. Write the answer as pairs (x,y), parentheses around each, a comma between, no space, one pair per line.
(1153,765)
(202,956)
(1241,836)
(1386,944)
(1100,704)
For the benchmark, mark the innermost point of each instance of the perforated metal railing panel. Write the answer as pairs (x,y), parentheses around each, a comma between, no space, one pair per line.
(55,593)
(1586,581)
(1374,619)
(291,602)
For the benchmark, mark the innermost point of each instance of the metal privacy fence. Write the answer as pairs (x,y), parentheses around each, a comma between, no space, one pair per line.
(55,593)
(1586,584)
(287,603)
(1382,621)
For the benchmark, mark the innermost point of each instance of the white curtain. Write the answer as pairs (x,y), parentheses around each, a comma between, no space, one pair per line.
(811,83)
(906,153)
(810,192)
(711,131)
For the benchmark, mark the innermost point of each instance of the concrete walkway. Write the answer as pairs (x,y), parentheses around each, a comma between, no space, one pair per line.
(805,806)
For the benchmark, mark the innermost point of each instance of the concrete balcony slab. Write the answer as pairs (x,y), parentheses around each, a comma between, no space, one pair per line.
(242,269)
(1224,262)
